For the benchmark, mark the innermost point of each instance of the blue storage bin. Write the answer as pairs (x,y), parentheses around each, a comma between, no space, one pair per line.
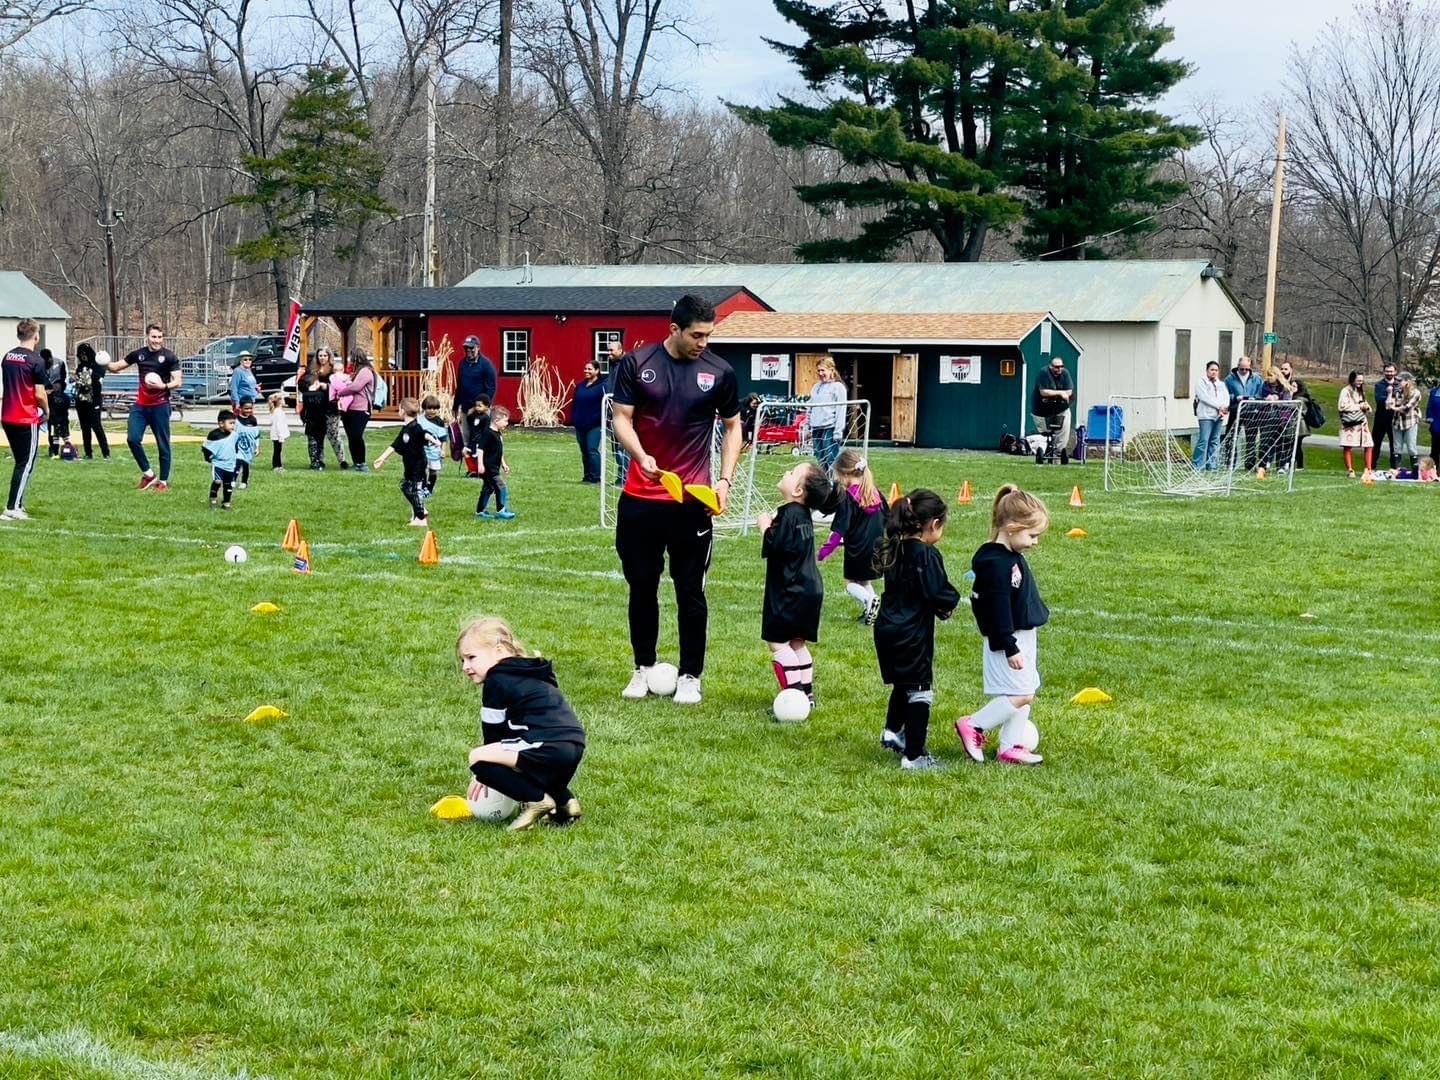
(1106,423)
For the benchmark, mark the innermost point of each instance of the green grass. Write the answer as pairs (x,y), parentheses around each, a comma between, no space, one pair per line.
(1231,871)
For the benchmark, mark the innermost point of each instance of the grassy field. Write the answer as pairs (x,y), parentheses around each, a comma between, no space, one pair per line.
(1230,871)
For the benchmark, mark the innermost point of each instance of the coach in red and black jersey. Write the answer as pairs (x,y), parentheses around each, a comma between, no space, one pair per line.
(666,399)
(24,407)
(159,371)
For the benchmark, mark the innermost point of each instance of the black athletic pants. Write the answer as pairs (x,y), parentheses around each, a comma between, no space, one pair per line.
(59,422)
(645,531)
(277,454)
(542,770)
(222,480)
(242,471)
(316,445)
(24,440)
(355,421)
(909,711)
(1384,425)
(492,485)
(414,492)
(89,420)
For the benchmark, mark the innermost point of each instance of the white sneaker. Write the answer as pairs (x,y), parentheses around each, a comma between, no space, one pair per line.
(638,686)
(242,485)
(687,690)
(15,515)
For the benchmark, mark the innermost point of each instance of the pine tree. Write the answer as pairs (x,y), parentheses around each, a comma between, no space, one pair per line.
(325,177)
(1087,143)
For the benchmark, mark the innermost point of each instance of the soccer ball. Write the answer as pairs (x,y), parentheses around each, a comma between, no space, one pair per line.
(236,554)
(662,679)
(154,381)
(490,805)
(791,706)
(1020,733)
(102,358)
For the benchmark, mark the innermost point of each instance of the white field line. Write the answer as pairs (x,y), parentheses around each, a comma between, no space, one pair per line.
(79,1048)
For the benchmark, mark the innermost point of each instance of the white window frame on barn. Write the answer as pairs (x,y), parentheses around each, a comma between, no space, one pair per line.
(514,352)
(602,340)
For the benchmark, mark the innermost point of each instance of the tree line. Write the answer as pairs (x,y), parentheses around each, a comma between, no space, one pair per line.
(238,152)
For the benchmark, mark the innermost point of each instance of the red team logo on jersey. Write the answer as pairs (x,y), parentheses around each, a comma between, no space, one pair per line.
(705,380)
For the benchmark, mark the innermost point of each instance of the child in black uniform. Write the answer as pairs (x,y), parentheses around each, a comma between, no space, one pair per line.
(1008,609)
(859,524)
(410,445)
(489,449)
(917,592)
(794,589)
(532,739)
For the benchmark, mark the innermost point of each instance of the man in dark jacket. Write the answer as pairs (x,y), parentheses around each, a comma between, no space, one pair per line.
(474,379)
(1384,415)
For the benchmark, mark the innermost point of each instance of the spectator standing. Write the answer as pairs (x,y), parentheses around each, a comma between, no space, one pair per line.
(1384,414)
(242,381)
(1404,405)
(1432,416)
(159,372)
(474,379)
(1212,404)
(89,399)
(1299,391)
(357,397)
(1054,392)
(1244,385)
(314,409)
(333,379)
(57,391)
(827,414)
(1353,430)
(586,414)
(22,373)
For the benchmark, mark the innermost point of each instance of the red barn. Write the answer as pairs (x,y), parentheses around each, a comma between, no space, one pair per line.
(567,325)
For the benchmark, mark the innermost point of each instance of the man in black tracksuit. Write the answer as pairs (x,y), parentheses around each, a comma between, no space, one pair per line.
(1385,416)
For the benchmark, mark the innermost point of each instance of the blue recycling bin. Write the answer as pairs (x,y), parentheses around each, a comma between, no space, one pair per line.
(1106,423)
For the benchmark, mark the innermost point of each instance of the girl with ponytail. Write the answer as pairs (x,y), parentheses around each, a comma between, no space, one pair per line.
(1008,609)
(917,592)
(859,524)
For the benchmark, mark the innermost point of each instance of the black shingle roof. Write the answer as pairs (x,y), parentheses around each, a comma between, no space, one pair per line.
(624,299)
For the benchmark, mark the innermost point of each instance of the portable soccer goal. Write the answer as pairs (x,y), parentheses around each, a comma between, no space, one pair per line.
(781,434)
(1144,454)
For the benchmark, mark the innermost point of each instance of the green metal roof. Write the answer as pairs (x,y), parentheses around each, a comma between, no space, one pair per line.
(1104,291)
(21,298)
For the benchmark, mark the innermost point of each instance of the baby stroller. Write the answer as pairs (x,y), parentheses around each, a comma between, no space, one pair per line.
(1054,450)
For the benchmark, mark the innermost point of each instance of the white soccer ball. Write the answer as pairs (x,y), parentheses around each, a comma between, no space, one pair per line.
(1020,733)
(791,706)
(102,358)
(490,805)
(661,679)
(236,554)
(154,381)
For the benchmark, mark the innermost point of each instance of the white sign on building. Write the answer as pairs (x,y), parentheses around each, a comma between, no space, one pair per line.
(960,369)
(770,366)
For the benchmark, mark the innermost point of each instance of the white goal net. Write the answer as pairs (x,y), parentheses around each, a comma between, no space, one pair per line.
(780,434)
(1256,450)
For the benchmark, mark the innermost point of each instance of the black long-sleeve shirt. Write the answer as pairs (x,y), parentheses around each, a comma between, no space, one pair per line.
(1005,598)
(521,700)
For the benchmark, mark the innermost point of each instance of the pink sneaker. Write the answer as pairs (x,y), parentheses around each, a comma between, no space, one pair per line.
(146,479)
(972,738)
(160,485)
(1018,755)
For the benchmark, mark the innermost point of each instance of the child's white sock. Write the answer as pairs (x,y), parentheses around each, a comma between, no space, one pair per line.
(785,663)
(1010,732)
(993,714)
(804,676)
(861,593)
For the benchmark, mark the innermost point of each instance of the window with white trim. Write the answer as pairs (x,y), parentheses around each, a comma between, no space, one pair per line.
(514,352)
(603,340)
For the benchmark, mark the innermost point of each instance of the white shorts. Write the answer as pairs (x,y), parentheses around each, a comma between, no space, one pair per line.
(1001,678)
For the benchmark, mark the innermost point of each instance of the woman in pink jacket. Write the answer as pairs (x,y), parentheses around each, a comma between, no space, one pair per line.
(356,396)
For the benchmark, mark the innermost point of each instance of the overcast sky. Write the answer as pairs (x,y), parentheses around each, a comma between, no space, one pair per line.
(1238,48)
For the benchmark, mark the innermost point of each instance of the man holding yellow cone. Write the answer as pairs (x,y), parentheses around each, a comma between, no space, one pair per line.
(667,398)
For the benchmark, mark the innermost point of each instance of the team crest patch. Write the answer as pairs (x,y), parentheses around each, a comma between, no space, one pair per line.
(647,375)
(1015,577)
(705,380)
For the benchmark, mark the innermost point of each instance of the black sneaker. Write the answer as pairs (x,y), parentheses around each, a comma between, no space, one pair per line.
(894,741)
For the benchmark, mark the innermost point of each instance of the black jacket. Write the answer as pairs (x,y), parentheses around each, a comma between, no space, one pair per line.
(917,592)
(794,590)
(1005,598)
(1051,406)
(521,700)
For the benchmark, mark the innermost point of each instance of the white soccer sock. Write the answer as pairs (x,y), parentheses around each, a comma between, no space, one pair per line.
(785,663)
(1010,732)
(862,593)
(996,712)
(805,663)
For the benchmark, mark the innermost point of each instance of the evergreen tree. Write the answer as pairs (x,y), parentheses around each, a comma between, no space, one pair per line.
(325,177)
(1087,143)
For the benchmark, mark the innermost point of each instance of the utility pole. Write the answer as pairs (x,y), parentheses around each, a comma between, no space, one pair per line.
(503,101)
(432,248)
(108,222)
(1269,339)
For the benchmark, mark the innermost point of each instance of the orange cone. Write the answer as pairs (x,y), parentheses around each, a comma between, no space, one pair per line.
(964,495)
(894,494)
(292,536)
(1076,499)
(302,558)
(429,549)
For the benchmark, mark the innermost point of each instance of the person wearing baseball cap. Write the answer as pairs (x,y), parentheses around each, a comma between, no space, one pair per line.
(474,379)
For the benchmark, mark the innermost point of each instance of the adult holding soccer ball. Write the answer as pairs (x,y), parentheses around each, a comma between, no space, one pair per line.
(666,399)
(159,371)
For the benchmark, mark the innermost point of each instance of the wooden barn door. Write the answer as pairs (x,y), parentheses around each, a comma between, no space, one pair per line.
(902,398)
(806,373)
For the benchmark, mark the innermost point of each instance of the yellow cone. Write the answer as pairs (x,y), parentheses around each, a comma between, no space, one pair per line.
(1091,695)
(1077,534)
(705,494)
(672,484)
(451,808)
(894,493)
(292,536)
(265,712)
(429,549)
(265,607)
(1077,500)
(302,558)
(1260,473)
(964,495)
